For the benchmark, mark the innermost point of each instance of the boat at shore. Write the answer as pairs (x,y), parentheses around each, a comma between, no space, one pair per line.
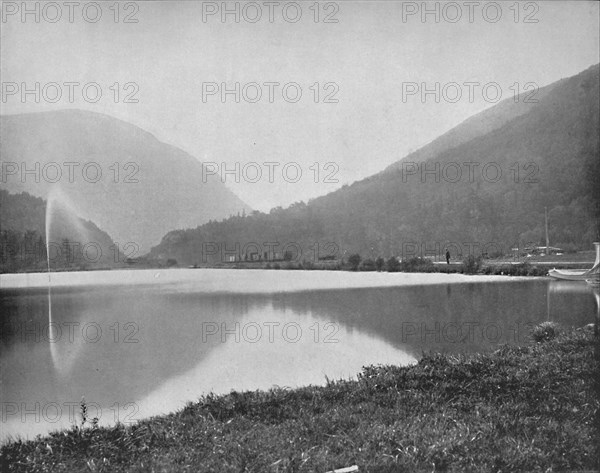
(570,274)
(578,274)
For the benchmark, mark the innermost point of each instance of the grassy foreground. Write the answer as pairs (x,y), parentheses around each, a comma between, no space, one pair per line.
(532,408)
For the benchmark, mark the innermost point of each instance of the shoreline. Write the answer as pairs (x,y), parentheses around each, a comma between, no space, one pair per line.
(269,284)
(484,267)
(520,408)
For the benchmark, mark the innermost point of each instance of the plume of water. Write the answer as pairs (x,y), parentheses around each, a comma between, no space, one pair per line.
(62,221)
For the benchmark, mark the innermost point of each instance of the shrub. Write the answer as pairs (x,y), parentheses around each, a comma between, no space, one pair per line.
(522,269)
(308,264)
(545,331)
(367,265)
(472,264)
(417,265)
(536,271)
(354,261)
(392,265)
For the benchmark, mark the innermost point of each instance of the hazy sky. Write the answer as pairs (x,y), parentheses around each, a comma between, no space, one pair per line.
(368,55)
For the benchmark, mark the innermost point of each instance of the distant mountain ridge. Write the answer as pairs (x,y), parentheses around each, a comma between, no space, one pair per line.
(145,188)
(477,125)
(548,157)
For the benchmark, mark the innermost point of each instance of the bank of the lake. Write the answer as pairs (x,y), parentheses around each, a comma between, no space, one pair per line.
(533,265)
(528,408)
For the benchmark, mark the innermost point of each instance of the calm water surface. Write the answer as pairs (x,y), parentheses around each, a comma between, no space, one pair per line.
(141,343)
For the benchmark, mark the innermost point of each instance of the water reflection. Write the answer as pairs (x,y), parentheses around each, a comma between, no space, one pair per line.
(158,347)
(273,346)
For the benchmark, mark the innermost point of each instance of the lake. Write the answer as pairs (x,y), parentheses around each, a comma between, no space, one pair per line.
(140,343)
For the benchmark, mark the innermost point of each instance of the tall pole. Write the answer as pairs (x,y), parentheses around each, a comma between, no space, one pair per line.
(547,240)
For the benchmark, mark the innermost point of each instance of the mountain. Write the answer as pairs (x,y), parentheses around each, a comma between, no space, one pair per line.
(479,124)
(131,185)
(519,162)
(73,243)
